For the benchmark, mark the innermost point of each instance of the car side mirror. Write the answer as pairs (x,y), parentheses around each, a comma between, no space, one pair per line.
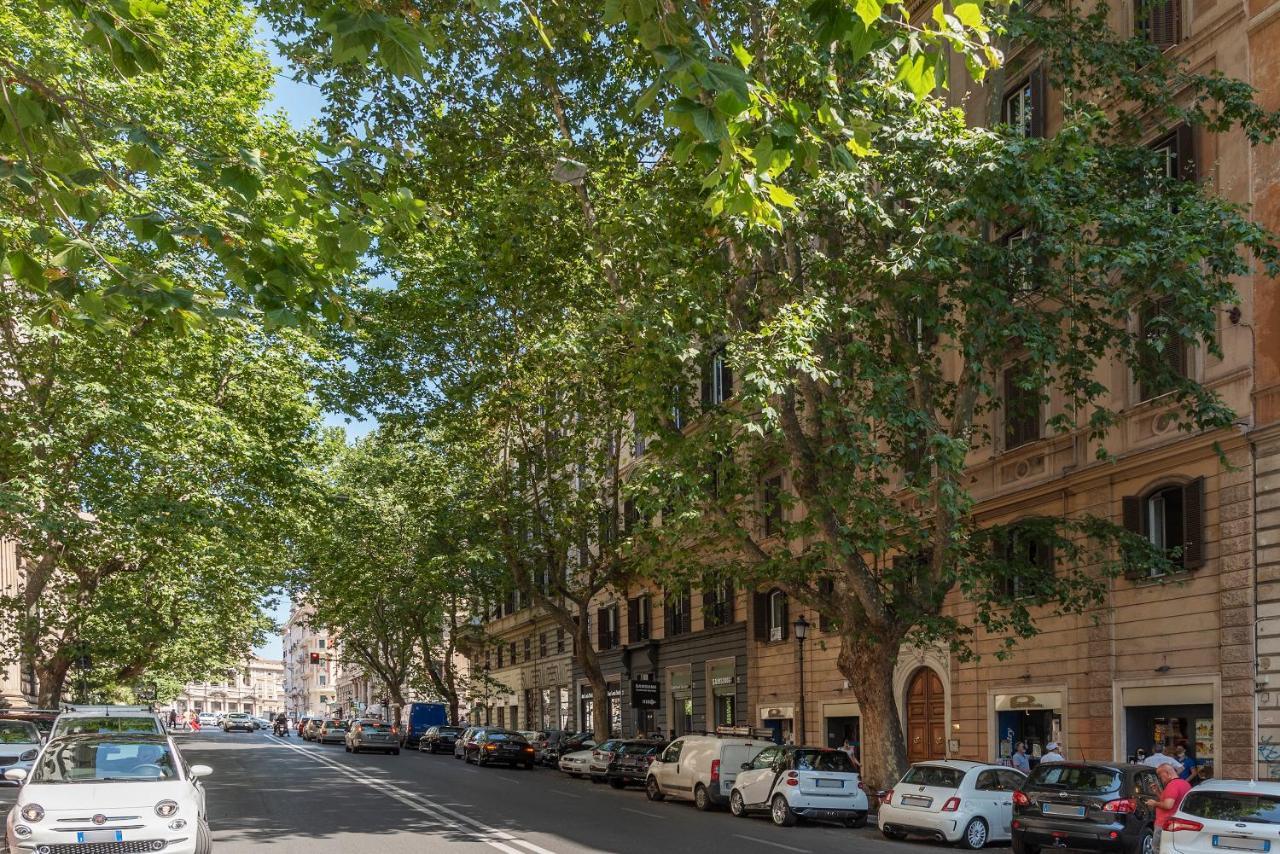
(17,775)
(200,771)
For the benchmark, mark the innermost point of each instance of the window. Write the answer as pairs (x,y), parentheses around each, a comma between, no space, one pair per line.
(1171,518)
(1026,555)
(630,516)
(717,380)
(323,679)
(678,610)
(773,506)
(1158,21)
(1020,256)
(499,656)
(1179,154)
(639,444)
(511,648)
(771,616)
(1162,355)
(528,648)
(607,627)
(559,640)
(827,593)
(1021,407)
(1023,106)
(488,660)
(638,619)
(321,643)
(717,604)
(677,408)
(542,645)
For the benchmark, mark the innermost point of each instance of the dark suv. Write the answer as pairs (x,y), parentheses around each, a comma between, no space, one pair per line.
(629,762)
(1094,806)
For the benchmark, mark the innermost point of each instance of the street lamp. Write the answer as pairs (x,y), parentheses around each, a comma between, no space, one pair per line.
(801,627)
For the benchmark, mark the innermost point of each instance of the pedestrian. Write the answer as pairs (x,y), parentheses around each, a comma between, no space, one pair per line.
(851,752)
(195,722)
(1158,757)
(173,719)
(1175,789)
(1141,756)
(1054,754)
(1020,759)
(1187,762)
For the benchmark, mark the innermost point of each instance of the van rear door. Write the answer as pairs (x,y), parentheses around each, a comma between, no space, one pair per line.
(733,755)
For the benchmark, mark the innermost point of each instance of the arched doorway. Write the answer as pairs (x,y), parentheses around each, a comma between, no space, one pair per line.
(926,717)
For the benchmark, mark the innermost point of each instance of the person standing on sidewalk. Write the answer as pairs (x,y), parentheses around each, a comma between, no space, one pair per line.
(1054,754)
(1020,759)
(1175,789)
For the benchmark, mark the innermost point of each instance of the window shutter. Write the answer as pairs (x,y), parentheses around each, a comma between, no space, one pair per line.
(786,616)
(602,631)
(708,383)
(1132,520)
(1038,107)
(1185,141)
(761,601)
(729,601)
(726,377)
(1163,21)
(1045,556)
(633,620)
(1193,524)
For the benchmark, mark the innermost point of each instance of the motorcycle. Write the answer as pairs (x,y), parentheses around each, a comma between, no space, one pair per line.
(280,730)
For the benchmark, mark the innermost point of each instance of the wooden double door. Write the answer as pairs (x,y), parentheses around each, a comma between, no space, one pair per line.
(926,717)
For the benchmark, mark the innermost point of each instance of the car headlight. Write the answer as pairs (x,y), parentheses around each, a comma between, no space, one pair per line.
(164,809)
(33,812)
(28,756)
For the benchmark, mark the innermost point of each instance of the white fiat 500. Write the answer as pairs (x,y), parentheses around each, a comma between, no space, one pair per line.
(1224,817)
(952,800)
(104,788)
(800,782)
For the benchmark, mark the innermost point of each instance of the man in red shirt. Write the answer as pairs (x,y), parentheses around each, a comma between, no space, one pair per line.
(1175,789)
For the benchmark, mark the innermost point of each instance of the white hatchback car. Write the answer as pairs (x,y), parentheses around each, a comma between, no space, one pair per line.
(576,764)
(800,782)
(1223,817)
(132,791)
(952,800)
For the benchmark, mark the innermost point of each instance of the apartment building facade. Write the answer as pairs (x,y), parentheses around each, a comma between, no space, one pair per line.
(310,667)
(15,692)
(257,688)
(527,666)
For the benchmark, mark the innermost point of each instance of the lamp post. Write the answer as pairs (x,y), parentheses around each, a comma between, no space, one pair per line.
(801,627)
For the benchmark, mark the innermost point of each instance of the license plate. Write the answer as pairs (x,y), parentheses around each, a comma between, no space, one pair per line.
(830,784)
(1062,809)
(1241,843)
(99,836)
(916,801)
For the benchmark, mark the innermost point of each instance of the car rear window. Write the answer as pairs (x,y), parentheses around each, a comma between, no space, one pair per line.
(450,730)
(377,727)
(834,761)
(505,736)
(1233,806)
(934,775)
(638,749)
(1075,778)
(336,724)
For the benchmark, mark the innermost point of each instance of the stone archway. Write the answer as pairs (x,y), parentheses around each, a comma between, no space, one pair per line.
(926,714)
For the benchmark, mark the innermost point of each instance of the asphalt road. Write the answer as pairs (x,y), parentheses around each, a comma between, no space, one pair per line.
(292,797)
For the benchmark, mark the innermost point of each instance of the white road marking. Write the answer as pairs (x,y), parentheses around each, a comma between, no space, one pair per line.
(641,812)
(508,779)
(566,793)
(494,838)
(772,844)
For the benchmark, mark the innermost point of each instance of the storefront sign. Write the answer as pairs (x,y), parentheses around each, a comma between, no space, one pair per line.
(772,713)
(644,695)
(1020,702)
(613,691)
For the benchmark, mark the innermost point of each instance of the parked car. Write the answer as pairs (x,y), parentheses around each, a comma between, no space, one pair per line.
(1095,806)
(207,719)
(467,738)
(373,735)
(79,720)
(951,800)
(20,741)
(42,718)
(791,783)
(238,721)
(439,739)
(1218,815)
(419,717)
(111,775)
(630,762)
(302,726)
(545,744)
(570,744)
(701,768)
(601,756)
(496,745)
(333,732)
(575,764)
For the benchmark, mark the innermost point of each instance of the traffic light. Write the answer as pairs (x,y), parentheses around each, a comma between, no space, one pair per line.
(315,658)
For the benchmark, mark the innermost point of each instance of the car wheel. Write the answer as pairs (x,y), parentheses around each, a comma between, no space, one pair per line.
(736,805)
(1146,843)
(1020,847)
(481,761)
(575,775)
(596,778)
(528,766)
(701,798)
(890,833)
(780,812)
(395,752)
(204,839)
(652,790)
(975,835)
(859,820)
(618,783)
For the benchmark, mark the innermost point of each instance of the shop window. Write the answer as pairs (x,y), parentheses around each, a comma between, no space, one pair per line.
(1162,353)
(607,627)
(772,506)
(678,611)
(1021,407)
(1158,21)
(1171,518)
(717,380)
(638,615)
(717,604)
(771,616)
(1023,106)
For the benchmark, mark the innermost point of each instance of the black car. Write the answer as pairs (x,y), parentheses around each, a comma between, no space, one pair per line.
(630,762)
(497,745)
(1093,806)
(569,744)
(439,739)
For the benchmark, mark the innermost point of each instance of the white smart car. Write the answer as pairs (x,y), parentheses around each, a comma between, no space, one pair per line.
(1220,816)
(952,800)
(800,782)
(86,790)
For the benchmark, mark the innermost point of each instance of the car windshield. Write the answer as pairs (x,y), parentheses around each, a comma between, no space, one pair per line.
(104,725)
(934,775)
(18,732)
(834,761)
(1233,806)
(450,730)
(505,736)
(92,760)
(1076,778)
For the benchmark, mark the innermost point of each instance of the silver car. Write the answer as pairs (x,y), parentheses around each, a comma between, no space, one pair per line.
(19,743)
(373,735)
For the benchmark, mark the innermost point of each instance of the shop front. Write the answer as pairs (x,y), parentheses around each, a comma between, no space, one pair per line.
(1170,716)
(723,679)
(1028,715)
(680,687)
(646,696)
(842,722)
(613,696)
(779,720)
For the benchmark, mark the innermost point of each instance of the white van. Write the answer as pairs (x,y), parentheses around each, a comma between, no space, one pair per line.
(701,768)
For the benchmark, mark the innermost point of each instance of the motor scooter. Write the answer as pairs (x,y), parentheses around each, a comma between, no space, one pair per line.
(280,730)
